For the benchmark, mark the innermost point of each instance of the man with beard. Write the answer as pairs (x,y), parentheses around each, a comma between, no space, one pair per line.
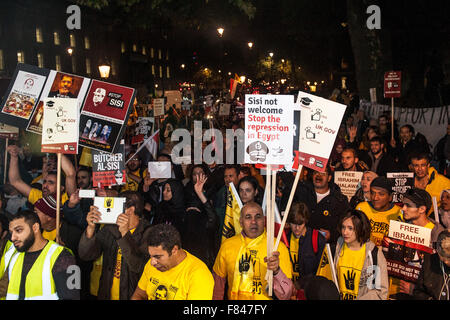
(325,202)
(39,269)
(135,173)
(380,210)
(381,162)
(427,178)
(49,183)
(350,161)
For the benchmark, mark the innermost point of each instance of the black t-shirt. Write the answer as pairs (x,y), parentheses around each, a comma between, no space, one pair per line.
(60,274)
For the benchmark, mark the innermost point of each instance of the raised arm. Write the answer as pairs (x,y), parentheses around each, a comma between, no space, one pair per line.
(70,173)
(14,174)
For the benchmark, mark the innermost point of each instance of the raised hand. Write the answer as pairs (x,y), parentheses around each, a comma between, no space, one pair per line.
(350,280)
(244,263)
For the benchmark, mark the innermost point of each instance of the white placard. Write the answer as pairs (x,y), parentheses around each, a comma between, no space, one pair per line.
(85,193)
(410,232)
(348,181)
(60,126)
(158,107)
(160,169)
(224,109)
(319,125)
(110,208)
(268,128)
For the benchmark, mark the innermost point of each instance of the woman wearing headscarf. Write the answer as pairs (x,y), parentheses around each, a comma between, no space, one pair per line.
(363,193)
(171,208)
(444,209)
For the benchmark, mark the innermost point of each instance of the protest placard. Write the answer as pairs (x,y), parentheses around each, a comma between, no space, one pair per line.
(158,107)
(58,85)
(319,125)
(60,126)
(110,208)
(224,109)
(268,128)
(104,115)
(108,169)
(401,183)
(160,169)
(144,129)
(8,132)
(22,95)
(348,181)
(405,248)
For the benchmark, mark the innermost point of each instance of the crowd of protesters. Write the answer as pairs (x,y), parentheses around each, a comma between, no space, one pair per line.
(167,243)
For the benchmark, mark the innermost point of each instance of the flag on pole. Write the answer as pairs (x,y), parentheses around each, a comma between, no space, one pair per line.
(151,145)
(277,220)
(326,266)
(231,225)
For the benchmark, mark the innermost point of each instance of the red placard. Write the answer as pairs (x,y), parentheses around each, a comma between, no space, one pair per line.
(393,84)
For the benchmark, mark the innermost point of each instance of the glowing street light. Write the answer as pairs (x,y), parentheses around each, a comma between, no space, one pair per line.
(250,44)
(271,54)
(220,31)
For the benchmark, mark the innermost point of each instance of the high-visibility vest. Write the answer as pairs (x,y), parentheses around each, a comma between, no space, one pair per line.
(39,281)
(7,254)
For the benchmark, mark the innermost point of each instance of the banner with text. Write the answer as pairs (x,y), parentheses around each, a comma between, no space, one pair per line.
(401,183)
(348,181)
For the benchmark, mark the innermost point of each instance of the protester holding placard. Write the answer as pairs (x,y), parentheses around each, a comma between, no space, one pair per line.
(325,202)
(416,204)
(49,185)
(124,253)
(360,265)
(426,177)
(242,262)
(380,210)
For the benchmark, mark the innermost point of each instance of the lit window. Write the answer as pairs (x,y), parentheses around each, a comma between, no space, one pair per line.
(56,38)
(134,48)
(153,70)
(74,64)
(159,54)
(40,58)
(113,67)
(88,66)
(72,40)
(2,63)
(144,50)
(152,53)
(39,35)
(58,63)
(87,43)
(20,57)
(122,47)
(160,72)
(168,72)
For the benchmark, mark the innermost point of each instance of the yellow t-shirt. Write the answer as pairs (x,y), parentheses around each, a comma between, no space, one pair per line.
(115,288)
(132,185)
(189,280)
(293,251)
(36,194)
(348,270)
(379,221)
(225,263)
(49,235)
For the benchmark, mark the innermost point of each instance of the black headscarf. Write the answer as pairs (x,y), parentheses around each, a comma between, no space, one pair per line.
(172,211)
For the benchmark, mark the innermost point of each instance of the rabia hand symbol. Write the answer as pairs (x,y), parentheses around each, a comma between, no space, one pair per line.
(244,263)
(228,231)
(350,280)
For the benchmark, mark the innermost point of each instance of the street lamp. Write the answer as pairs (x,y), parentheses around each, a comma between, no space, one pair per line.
(104,68)
(250,45)
(220,31)
(271,54)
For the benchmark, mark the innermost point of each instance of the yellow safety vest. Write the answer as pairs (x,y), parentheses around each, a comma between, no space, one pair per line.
(7,254)
(39,281)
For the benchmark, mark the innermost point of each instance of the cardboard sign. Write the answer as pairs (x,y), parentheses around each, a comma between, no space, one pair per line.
(268,128)
(86,193)
(160,169)
(58,85)
(60,126)
(319,125)
(348,182)
(405,248)
(393,84)
(401,183)
(22,95)
(158,107)
(110,208)
(108,169)
(104,115)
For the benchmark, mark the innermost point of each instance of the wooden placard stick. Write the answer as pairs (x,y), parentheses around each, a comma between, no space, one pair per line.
(6,161)
(270,250)
(58,193)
